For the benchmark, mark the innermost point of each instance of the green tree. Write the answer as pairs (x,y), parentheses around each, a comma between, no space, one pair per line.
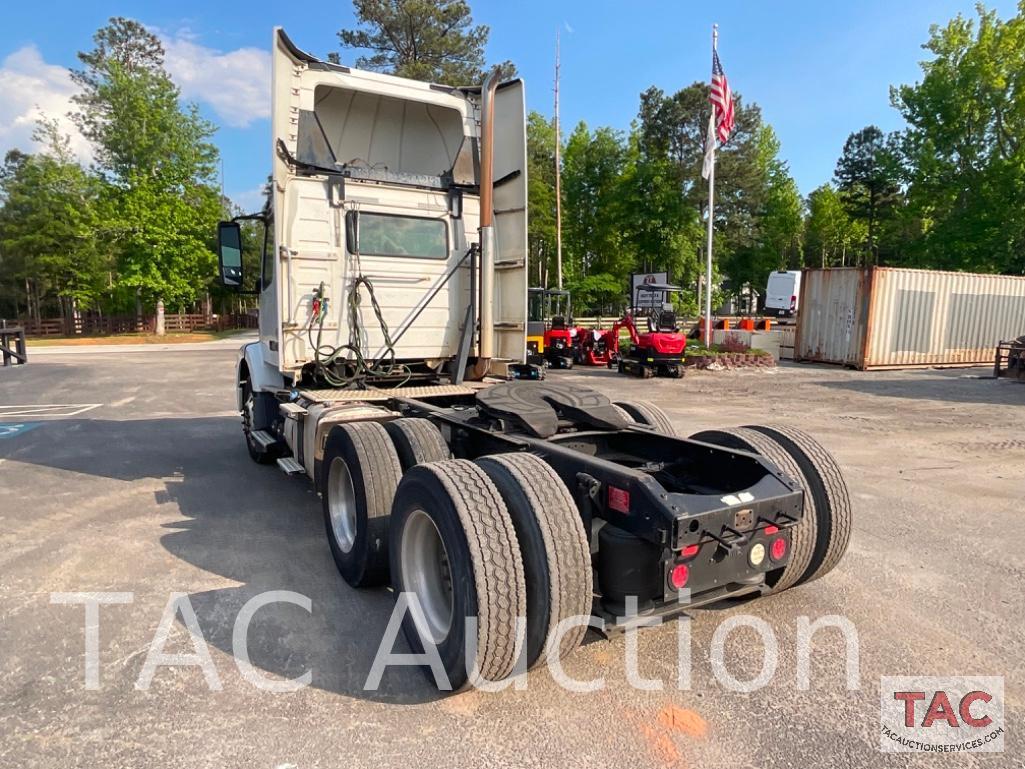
(964,149)
(600,293)
(868,176)
(432,40)
(675,127)
(48,225)
(160,204)
(541,198)
(593,165)
(781,223)
(660,230)
(123,49)
(829,232)
(776,225)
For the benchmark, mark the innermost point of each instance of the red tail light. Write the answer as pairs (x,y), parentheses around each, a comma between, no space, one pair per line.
(793,302)
(619,500)
(690,551)
(679,575)
(770,530)
(778,549)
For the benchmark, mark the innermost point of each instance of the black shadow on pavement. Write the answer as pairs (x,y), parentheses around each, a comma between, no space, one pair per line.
(250,524)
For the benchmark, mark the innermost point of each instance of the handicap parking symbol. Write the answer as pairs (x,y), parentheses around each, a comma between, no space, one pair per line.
(13,430)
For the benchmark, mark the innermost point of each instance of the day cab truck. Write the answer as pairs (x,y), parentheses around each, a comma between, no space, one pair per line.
(390,372)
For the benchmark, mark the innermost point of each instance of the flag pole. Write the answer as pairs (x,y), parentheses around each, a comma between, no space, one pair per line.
(711,218)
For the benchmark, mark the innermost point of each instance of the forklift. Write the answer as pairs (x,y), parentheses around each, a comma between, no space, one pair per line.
(550,333)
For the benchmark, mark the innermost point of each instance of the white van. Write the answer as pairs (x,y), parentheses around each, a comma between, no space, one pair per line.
(783,293)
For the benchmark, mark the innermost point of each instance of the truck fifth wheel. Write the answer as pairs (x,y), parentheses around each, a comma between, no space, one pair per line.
(393,320)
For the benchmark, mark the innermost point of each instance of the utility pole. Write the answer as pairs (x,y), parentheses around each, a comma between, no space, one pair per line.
(558,174)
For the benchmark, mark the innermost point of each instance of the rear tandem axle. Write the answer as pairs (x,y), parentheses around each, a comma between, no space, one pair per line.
(543,501)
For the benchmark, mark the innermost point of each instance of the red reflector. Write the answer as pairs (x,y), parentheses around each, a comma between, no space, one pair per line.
(690,551)
(678,576)
(770,530)
(778,548)
(619,499)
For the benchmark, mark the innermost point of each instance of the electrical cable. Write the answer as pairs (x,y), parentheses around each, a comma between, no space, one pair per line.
(326,357)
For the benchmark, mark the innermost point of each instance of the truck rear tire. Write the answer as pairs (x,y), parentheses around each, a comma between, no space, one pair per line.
(553,546)
(417,441)
(646,413)
(453,544)
(825,482)
(803,537)
(361,473)
(624,413)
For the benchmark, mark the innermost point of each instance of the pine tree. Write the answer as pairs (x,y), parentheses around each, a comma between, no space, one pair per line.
(431,40)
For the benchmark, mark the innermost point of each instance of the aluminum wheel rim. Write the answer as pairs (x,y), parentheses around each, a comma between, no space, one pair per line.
(248,408)
(425,572)
(341,504)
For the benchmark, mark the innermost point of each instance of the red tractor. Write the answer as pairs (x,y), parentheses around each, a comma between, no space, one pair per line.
(551,337)
(597,347)
(659,350)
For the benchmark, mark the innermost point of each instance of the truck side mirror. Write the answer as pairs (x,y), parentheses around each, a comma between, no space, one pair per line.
(229,254)
(352,231)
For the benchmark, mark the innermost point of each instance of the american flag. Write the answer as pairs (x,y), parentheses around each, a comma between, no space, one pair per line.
(722,100)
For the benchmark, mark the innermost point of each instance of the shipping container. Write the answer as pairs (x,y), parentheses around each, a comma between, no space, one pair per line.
(883,317)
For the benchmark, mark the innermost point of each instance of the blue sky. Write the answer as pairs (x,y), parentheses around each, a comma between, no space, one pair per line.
(819,70)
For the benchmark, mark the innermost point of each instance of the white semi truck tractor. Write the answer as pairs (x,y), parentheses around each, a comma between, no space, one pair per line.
(390,372)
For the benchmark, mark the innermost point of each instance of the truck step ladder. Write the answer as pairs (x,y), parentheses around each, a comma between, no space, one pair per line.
(289,466)
(292,410)
(264,438)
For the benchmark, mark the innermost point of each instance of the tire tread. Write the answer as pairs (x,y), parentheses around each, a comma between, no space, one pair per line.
(495,561)
(566,546)
(647,413)
(381,473)
(832,498)
(417,441)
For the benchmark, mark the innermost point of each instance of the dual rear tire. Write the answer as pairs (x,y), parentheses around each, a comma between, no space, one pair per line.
(497,542)
(516,564)
(820,540)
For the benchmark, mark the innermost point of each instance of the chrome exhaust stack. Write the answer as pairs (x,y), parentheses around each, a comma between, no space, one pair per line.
(487,229)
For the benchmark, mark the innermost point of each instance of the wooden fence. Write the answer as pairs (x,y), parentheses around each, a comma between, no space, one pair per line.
(97,325)
(595,322)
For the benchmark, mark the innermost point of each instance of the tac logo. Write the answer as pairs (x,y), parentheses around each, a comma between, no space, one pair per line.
(957,714)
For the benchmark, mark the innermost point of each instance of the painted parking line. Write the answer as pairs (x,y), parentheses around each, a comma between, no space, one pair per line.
(46,410)
(14,430)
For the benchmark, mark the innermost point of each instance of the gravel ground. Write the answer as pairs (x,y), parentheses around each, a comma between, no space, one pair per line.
(150,492)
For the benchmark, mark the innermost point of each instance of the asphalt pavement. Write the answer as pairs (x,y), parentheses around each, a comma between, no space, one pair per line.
(125,472)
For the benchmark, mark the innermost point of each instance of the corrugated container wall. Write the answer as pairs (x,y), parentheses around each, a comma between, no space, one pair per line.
(883,317)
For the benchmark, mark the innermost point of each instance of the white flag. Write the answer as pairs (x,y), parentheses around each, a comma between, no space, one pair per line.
(706,167)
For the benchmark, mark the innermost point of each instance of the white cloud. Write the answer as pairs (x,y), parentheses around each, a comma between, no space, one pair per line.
(250,201)
(31,88)
(234,84)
